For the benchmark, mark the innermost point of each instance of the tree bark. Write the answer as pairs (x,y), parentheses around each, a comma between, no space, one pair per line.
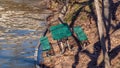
(107,21)
(100,24)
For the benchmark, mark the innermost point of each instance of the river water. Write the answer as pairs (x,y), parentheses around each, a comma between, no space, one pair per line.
(17,45)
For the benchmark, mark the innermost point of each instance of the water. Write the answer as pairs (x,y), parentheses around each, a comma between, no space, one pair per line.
(18,55)
(20,32)
(25,5)
(17,51)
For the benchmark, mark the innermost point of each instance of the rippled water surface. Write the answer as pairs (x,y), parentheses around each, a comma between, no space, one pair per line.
(19,53)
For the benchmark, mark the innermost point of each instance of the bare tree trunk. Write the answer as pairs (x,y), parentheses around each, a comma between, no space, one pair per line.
(101,33)
(107,21)
(64,10)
